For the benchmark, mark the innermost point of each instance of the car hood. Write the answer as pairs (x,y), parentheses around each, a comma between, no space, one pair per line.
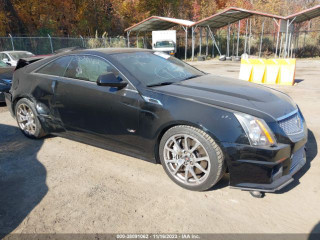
(233,94)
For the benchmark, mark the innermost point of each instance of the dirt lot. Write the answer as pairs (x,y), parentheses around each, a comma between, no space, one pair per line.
(61,186)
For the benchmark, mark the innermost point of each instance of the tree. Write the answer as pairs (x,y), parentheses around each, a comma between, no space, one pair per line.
(86,17)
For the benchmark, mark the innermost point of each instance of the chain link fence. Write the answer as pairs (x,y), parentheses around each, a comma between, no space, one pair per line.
(306,44)
(47,45)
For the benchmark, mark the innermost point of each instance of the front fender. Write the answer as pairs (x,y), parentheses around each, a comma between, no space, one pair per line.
(219,123)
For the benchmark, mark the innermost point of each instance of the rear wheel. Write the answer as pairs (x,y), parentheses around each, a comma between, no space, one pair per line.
(191,158)
(27,119)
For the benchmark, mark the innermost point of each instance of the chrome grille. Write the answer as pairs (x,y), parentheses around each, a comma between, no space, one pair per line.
(291,125)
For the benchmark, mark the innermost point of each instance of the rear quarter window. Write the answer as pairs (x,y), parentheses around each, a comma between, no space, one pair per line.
(57,67)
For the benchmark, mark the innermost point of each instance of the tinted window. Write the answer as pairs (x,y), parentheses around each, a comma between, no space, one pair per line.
(57,67)
(156,67)
(88,68)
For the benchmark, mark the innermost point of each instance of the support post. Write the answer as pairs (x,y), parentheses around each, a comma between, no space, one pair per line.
(232,54)
(276,53)
(278,32)
(238,40)
(260,49)
(228,41)
(128,38)
(281,40)
(289,44)
(286,41)
(200,45)
(145,40)
(11,38)
(249,42)
(50,42)
(193,40)
(212,54)
(292,45)
(246,38)
(186,42)
(214,43)
(207,42)
(137,40)
(297,43)
(291,36)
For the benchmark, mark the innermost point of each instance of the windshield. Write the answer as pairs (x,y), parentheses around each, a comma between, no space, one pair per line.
(164,44)
(3,64)
(152,68)
(17,55)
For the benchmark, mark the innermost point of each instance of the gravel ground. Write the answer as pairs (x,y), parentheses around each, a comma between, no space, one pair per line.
(3,107)
(56,185)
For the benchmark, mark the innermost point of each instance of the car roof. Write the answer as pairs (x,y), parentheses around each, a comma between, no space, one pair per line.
(108,51)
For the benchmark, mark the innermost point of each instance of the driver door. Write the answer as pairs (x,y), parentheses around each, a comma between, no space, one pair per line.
(97,113)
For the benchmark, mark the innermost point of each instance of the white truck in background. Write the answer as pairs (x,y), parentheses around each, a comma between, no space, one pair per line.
(164,41)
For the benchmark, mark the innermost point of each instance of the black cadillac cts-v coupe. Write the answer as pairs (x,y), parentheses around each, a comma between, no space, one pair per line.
(153,106)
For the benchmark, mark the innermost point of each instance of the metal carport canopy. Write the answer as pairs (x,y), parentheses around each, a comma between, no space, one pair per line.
(305,15)
(231,15)
(225,18)
(158,23)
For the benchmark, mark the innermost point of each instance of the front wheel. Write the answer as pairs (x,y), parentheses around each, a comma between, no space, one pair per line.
(27,119)
(191,158)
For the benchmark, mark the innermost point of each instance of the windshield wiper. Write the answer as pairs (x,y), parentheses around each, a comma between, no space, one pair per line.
(160,84)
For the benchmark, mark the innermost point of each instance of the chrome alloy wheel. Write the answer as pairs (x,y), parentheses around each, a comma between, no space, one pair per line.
(186,159)
(26,119)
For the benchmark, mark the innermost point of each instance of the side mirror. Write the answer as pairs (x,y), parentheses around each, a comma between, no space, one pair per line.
(5,60)
(110,80)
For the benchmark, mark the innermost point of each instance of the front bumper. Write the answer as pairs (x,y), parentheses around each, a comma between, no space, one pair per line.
(264,169)
(277,183)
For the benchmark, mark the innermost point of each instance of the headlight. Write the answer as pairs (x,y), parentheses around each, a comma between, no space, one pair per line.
(258,132)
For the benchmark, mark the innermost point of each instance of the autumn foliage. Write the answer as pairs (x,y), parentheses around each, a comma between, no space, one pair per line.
(86,17)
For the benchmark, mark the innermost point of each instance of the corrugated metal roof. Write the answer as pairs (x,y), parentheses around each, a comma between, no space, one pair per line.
(231,15)
(158,23)
(305,15)
(227,16)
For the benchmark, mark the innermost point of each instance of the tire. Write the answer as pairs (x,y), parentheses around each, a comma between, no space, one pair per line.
(28,122)
(181,149)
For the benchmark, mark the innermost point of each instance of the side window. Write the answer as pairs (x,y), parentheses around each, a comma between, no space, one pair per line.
(57,67)
(88,68)
(2,56)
